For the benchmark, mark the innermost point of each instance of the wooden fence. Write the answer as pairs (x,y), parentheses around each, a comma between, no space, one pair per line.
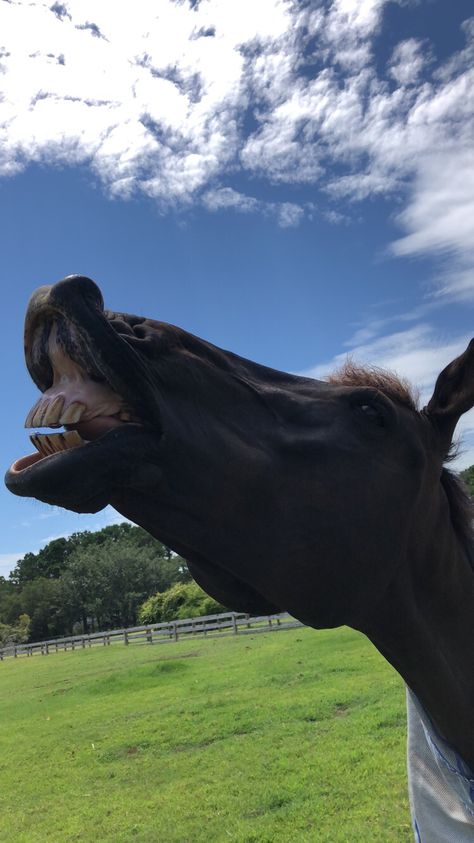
(228,623)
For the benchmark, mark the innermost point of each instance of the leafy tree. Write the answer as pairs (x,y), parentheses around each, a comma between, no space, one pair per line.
(468,477)
(183,600)
(151,611)
(52,560)
(42,599)
(83,583)
(10,605)
(89,580)
(6,587)
(48,562)
(106,584)
(16,634)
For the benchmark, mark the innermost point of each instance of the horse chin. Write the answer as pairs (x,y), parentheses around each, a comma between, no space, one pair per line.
(233,593)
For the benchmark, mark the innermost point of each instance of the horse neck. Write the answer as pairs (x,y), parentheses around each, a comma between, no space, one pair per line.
(424,626)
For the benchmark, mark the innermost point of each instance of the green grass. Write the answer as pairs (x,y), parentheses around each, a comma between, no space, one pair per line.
(290,736)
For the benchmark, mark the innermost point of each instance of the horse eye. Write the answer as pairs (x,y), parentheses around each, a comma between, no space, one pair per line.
(372,413)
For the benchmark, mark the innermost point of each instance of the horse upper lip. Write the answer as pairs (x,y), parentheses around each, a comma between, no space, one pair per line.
(74,396)
(73,350)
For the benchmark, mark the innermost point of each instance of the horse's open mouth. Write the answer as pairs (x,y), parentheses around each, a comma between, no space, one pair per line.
(82,403)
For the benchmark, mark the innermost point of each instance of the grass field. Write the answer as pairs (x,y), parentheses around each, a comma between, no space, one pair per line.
(290,736)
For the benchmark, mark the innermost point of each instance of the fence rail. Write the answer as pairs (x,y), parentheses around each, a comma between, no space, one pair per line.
(228,623)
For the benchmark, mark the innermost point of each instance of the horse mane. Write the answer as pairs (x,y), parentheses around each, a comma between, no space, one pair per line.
(461,507)
(399,390)
(396,388)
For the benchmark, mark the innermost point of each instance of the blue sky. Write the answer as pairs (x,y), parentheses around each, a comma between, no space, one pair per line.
(292,181)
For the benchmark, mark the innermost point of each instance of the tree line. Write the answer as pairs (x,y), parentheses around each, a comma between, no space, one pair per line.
(93,581)
(468,477)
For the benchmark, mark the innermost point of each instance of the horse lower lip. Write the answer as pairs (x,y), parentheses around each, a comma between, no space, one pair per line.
(24,462)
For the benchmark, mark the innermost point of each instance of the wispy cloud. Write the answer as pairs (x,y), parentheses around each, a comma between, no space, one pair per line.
(8,562)
(177,99)
(105,518)
(409,59)
(419,354)
(439,218)
(287,214)
(42,516)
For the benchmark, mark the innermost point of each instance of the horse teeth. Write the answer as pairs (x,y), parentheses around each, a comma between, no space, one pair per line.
(30,416)
(38,415)
(57,440)
(73,413)
(43,414)
(34,439)
(72,439)
(43,449)
(54,443)
(53,411)
(48,445)
(38,442)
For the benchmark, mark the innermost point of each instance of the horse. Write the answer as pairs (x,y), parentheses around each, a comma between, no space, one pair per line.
(341,489)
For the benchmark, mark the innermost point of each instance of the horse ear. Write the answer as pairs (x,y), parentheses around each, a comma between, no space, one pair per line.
(453,394)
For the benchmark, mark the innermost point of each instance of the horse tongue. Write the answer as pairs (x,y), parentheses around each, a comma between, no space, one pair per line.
(94,428)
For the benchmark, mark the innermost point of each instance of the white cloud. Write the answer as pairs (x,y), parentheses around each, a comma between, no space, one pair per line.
(151,105)
(170,100)
(349,27)
(440,217)
(408,60)
(226,197)
(287,214)
(8,562)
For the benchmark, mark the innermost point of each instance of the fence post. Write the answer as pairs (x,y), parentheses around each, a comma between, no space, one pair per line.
(125,636)
(149,636)
(175,630)
(235,628)
(15,651)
